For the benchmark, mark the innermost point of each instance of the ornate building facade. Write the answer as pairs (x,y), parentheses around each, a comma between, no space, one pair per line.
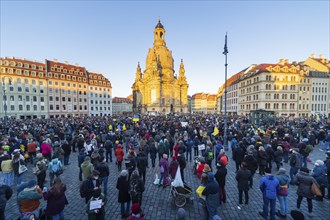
(49,89)
(204,102)
(158,89)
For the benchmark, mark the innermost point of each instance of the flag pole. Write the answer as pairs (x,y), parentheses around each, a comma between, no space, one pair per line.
(225,52)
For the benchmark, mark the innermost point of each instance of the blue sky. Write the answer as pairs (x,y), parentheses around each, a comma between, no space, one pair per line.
(111,37)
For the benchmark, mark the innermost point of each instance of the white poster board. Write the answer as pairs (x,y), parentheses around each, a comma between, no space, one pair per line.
(201,147)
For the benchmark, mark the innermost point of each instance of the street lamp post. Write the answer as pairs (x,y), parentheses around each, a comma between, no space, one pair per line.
(225,52)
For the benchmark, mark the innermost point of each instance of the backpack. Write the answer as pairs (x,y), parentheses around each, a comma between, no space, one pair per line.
(133,188)
(83,189)
(56,169)
(108,145)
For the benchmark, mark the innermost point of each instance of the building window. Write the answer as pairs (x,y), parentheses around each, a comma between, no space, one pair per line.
(20,107)
(27,107)
(57,107)
(51,107)
(34,98)
(12,108)
(42,99)
(35,108)
(42,108)
(57,98)
(63,99)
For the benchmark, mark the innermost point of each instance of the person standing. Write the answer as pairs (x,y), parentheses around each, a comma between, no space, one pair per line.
(41,169)
(269,186)
(18,161)
(98,213)
(163,169)
(103,168)
(32,149)
(56,200)
(123,193)
(251,164)
(182,163)
(211,192)
(278,157)
(7,170)
(153,154)
(5,194)
(136,188)
(327,164)
(189,145)
(55,169)
(93,184)
(220,176)
(86,168)
(243,176)
(304,182)
(282,194)
(46,150)
(238,156)
(319,173)
(108,150)
(119,153)
(81,159)
(67,151)
(142,165)
(295,164)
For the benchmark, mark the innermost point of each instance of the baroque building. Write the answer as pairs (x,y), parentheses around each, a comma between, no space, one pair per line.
(121,105)
(51,89)
(158,89)
(204,102)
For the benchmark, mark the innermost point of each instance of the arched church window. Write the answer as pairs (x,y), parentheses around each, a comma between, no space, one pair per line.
(161,35)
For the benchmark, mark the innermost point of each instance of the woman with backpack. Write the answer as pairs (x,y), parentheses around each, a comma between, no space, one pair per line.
(55,169)
(40,169)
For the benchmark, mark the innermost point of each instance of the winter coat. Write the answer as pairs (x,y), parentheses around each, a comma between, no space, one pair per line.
(250,163)
(87,170)
(45,149)
(269,186)
(182,148)
(327,164)
(319,174)
(5,193)
(278,156)
(123,189)
(284,184)
(16,164)
(55,200)
(7,166)
(243,177)
(304,182)
(119,153)
(91,183)
(103,168)
(173,168)
(238,155)
(81,158)
(262,157)
(211,192)
(296,160)
(182,162)
(153,151)
(200,169)
(142,161)
(220,176)
(163,162)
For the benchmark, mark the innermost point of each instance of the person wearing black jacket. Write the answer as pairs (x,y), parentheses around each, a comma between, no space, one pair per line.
(327,164)
(81,158)
(123,193)
(142,165)
(108,145)
(238,156)
(251,163)
(5,194)
(182,163)
(243,176)
(103,168)
(67,151)
(220,176)
(153,154)
(92,183)
(136,188)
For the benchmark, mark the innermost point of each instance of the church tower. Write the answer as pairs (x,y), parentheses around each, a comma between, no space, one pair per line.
(157,89)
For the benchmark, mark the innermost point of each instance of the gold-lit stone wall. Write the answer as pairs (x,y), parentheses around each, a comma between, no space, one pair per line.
(158,89)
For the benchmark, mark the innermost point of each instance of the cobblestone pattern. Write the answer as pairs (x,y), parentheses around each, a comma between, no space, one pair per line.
(157,205)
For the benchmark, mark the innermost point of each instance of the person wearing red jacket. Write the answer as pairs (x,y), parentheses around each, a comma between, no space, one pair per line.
(119,153)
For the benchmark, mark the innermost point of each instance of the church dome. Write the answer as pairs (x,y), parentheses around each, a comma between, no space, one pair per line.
(159,25)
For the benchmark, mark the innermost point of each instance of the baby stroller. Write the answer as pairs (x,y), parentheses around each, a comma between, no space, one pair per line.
(180,192)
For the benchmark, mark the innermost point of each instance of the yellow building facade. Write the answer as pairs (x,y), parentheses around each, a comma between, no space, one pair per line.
(157,89)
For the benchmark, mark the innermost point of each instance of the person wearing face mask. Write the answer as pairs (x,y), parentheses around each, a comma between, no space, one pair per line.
(92,183)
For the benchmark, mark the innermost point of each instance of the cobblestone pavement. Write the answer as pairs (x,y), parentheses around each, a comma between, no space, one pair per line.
(156,204)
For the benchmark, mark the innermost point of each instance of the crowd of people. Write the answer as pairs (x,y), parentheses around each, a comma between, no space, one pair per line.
(167,142)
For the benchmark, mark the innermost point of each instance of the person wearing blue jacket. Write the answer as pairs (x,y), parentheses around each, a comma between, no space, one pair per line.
(269,186)
(282,194)
(211,192)
(319,174)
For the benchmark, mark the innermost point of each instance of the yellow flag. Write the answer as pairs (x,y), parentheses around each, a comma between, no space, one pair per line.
(215,131)
(110,127)
(124,127)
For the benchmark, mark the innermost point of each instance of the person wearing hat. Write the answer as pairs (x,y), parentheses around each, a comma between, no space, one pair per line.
(86,168)
(278,156)
(137,213)
(327,164)
(282,194)
(123,193)
(269,186)
(28,198)
(92,183)
(304,182)
(319,174)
